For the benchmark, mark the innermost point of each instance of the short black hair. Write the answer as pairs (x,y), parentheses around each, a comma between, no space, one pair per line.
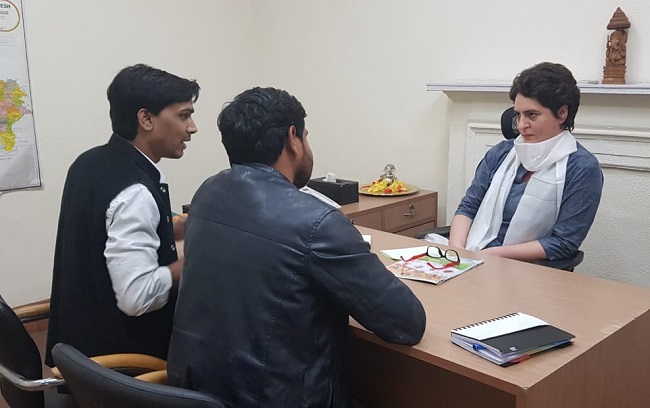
(552,85)
(254,126)
(141,86)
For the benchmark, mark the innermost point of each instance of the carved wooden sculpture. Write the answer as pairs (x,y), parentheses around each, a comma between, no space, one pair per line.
(615,57)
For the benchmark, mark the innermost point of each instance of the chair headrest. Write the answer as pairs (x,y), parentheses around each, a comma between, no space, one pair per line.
(508,130)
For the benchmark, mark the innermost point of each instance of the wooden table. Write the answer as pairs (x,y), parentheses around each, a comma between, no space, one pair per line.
(405,215)
(607,366)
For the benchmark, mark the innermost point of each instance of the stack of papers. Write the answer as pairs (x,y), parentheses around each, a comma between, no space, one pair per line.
(418,269)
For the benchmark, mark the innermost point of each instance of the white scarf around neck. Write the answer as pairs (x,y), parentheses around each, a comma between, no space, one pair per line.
(539,206)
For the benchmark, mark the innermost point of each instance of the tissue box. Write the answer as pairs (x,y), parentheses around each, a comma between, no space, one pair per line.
(341,191)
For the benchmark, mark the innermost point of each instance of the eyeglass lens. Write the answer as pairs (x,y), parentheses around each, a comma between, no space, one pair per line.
(449,254)
(452,255)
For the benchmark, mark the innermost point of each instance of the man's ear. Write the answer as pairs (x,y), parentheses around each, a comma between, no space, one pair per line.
(291,142)
(145,119)
(563,113)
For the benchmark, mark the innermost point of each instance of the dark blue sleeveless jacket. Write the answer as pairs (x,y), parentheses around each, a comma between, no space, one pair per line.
(83,309)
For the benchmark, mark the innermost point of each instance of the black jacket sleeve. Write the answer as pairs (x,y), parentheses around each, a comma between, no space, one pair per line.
(341,263)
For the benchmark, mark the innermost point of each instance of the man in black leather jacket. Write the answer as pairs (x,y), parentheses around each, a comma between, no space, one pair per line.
(272,275)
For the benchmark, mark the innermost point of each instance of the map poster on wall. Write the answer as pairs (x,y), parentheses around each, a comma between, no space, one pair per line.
(19,166)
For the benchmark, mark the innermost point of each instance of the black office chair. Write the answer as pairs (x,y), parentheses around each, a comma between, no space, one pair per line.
(508,126)
(95,386)
(509,131)
(21,376)
(21,371)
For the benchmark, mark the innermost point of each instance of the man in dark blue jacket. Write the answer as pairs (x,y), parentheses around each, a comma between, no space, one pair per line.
(272,275)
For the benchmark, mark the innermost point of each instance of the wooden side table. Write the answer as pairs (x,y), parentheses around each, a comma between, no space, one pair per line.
(406,215)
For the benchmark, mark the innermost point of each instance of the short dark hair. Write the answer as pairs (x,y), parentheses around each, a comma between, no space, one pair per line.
(141,86)
(254,126)
(552,85)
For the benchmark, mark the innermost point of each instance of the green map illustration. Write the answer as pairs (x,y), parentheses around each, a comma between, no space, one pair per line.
(12,109)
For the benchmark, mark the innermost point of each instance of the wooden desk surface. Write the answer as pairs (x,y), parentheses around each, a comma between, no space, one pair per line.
(611,321)
(607,366)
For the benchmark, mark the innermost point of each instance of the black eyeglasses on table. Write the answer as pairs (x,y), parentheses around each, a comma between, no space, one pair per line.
(437,253)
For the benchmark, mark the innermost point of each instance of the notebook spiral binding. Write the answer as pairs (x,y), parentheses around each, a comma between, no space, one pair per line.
(487,321)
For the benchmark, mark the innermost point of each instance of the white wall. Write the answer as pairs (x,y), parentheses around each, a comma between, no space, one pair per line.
(359,67)
(75,48)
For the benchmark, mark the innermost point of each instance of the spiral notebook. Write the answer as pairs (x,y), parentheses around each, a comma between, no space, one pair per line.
(511,338)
